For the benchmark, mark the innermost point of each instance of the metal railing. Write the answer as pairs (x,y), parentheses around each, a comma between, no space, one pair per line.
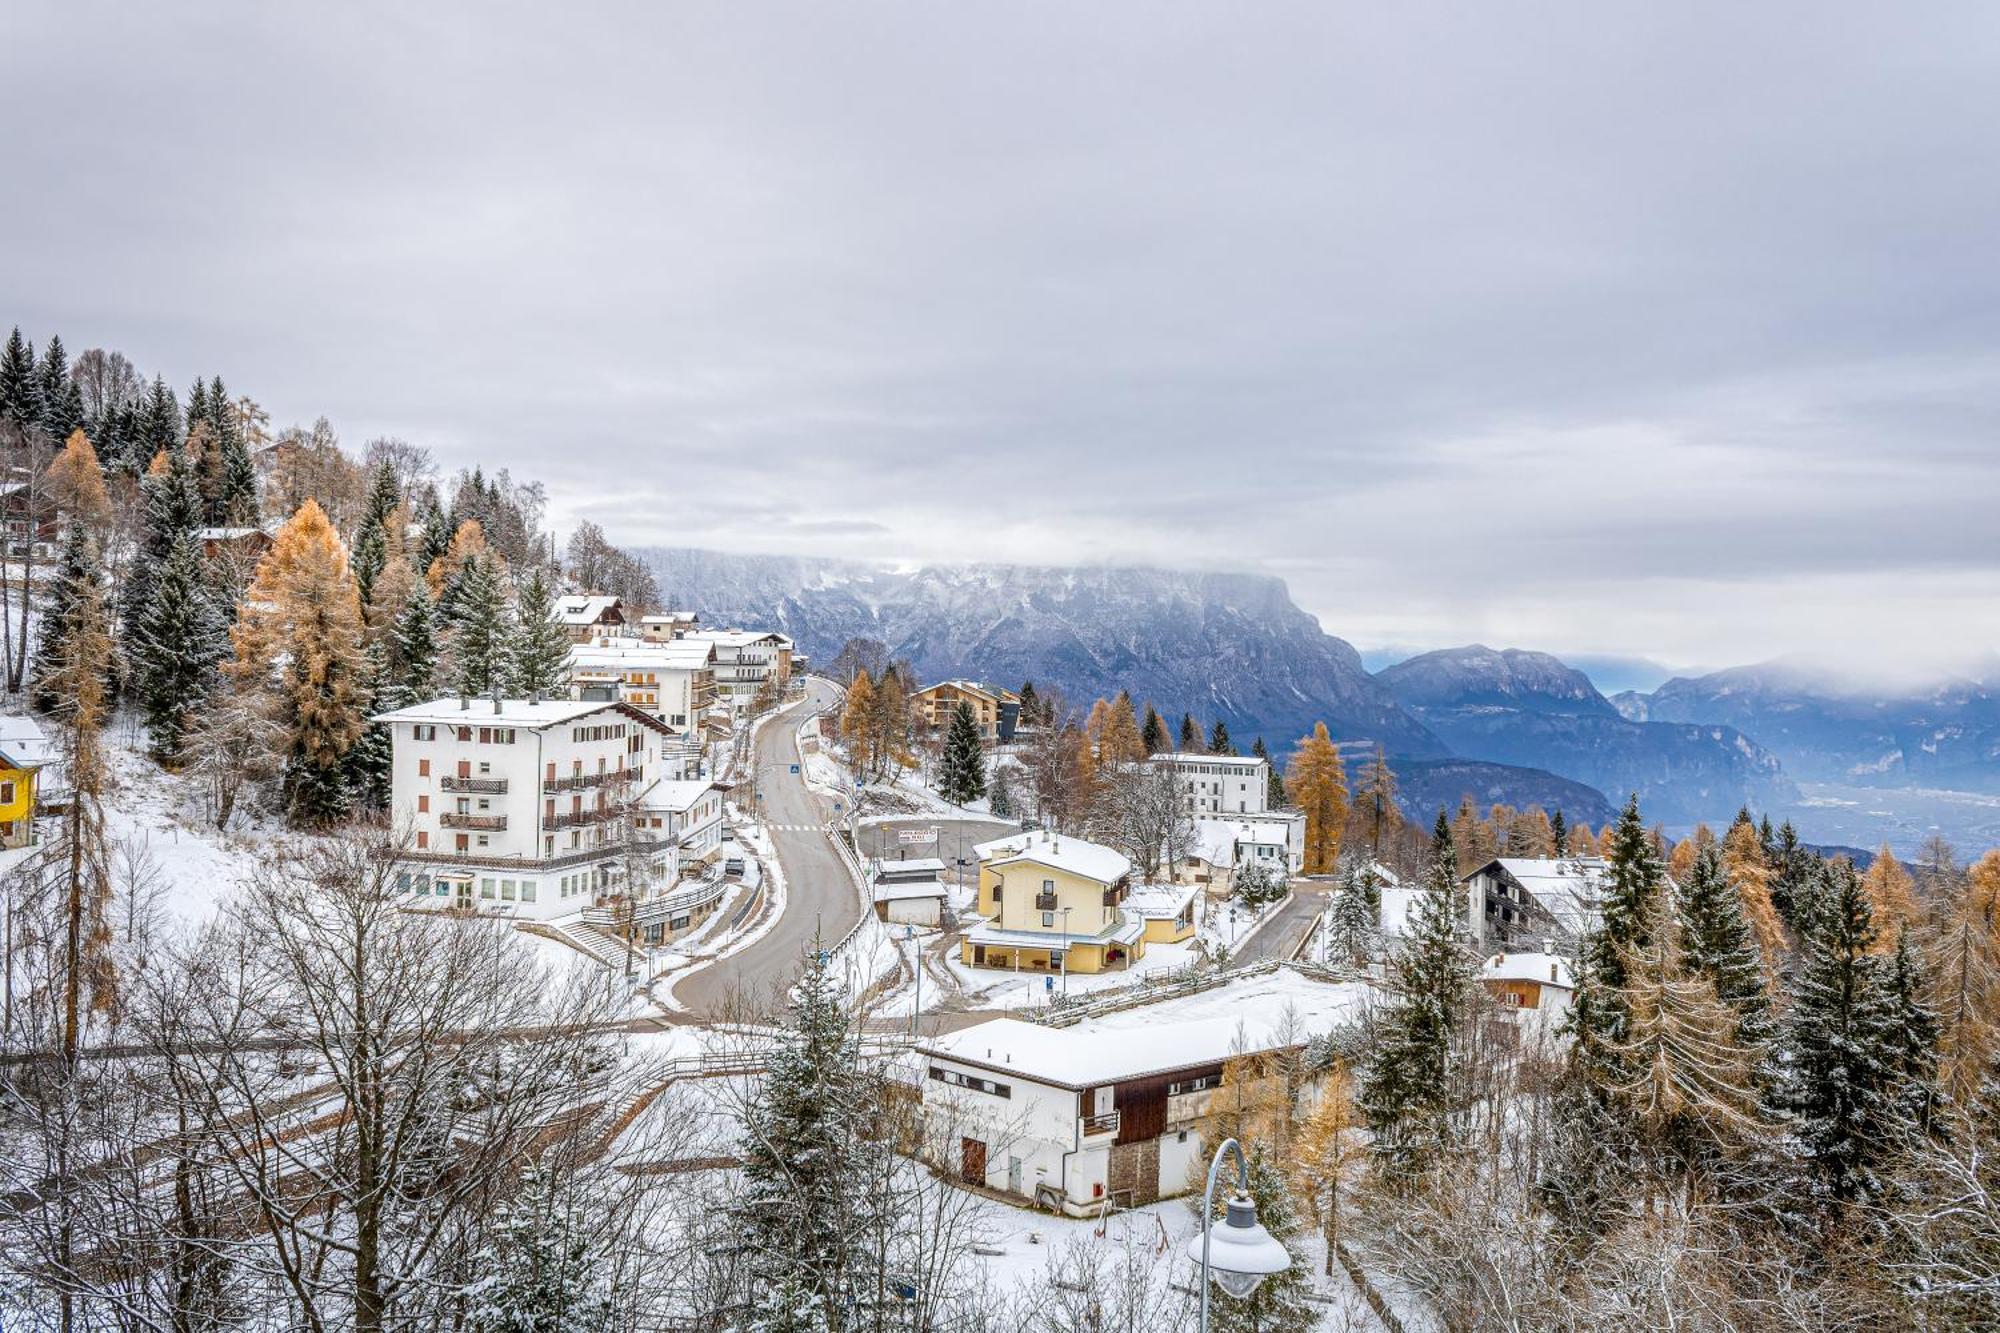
(585,781)
(484,823)
(482,786)
(579,818)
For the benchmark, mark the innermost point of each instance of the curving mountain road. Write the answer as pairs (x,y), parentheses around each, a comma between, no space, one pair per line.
(821,902)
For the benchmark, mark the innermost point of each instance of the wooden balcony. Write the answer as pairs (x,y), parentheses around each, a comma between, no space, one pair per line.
(1101,1124)
(484,823)
(483,786)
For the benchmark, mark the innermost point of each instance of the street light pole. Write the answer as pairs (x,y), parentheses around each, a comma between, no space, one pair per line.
(916,1012)
(1065,912)
(1248,1252)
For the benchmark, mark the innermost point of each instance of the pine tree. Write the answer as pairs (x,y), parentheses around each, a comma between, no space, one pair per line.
(808,1208)
(20,389)
(300,635)
(1353,931)
(1317,784)
(1190,735)
(77,568)
(1153,734)
(1409,1088)
(1842,1046)
(1558,835)
(543,1272)
(1717,945)
(962,776)
(371,537)
(479,638)
(538,652)
(1375,798)
(1599,1016)
(1218,739)
(181,639)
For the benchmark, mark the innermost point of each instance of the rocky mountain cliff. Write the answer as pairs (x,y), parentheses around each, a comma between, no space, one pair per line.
(1531,710)
(1227,646)
(1947,735)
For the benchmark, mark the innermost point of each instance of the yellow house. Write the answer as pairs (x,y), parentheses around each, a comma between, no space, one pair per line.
(1167,911)
(23,752)
(1053,904)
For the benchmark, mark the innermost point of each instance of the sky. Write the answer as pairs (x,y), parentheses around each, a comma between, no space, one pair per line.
(1668,331)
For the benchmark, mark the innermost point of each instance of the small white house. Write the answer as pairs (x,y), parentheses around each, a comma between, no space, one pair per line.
(909,892)
(1116,1104)
(1538,985)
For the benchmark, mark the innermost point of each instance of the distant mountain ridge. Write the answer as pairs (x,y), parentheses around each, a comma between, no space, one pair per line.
(1532,710)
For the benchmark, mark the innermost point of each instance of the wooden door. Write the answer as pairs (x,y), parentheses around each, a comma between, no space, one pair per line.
(972,1161)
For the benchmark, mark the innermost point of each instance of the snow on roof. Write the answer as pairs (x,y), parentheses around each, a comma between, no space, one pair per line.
(1214,843)
(575,609)
(735,638)
(1274,828)
(680,655)
(1087,859)
(1243,1017)
(449,710)
(1547,968)
(993,692)
(913,868)
(226,534)
(1568,888)
(1226,760)
(896,890)
(1160,900)
(23,743)
(676,795)
(670,618)
(1125,930)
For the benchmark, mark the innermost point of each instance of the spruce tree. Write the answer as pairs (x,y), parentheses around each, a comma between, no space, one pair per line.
(962,774)
(1031,704)
(77,567)
(809,1209)
(1843,1047)
(160,422)
(370,764)
(1718,946)
(1282,1302)
(170,509)
(1190,735)
(413,652)
(1274,781)
(1409,1086)
(1353,931)
(20,389)
(1914,1042)
(371,537)
(1153,734)
(436,538)
(479,628)
(61,405)
(181,640)
(1634,879)
(1218,739)
(1559,833)
(543,1271)
(538,650)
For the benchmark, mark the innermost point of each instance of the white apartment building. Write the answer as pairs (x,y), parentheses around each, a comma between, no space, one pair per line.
(530,807)
(667,626)
(674,681)
(1218,784)
(745,659)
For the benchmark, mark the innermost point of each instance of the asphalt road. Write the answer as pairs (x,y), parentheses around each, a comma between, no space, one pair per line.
(821,902)
(1282,934)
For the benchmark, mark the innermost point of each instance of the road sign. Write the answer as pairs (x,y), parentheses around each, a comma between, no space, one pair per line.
(913,835)
(795,768)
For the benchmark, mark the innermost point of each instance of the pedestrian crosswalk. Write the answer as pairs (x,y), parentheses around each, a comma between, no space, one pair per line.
(794,828)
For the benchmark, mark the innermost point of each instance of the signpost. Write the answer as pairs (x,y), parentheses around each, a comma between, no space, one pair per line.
(911,836)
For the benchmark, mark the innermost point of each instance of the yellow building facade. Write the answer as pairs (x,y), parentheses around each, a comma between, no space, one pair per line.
(1053,904)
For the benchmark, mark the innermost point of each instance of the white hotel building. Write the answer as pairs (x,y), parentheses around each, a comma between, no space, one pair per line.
(544,808)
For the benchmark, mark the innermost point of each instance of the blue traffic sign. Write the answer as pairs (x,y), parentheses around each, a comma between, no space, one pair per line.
(795,768)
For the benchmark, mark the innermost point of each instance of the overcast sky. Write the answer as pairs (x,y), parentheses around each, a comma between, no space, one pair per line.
(1662,329)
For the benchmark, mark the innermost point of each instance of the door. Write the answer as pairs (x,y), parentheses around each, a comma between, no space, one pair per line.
(1013,1175)
(972,1161)
(463,895)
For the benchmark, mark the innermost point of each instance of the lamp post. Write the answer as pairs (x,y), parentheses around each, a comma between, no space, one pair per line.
(1065,912)
(1242,1254)
(909,935)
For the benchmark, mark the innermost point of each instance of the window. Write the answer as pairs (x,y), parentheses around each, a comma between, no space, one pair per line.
(527,890)
(678,923)
(1048,919)
(6,793)
(486,888)
(423,840)
(1201,1084)
(506,890)
(1048,886)
(423,805)
(972,1081)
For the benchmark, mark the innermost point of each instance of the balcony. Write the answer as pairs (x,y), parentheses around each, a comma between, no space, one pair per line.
(579,818)
(483,786)
(586,781)
(1045,902)
(1101,1124)
(484,823)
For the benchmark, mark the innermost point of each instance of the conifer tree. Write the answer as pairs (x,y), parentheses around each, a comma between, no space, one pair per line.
(1317,784)
(854,723)
(538,653)
(1891,897)
(479,638)
(1375,798)
(808,1209)
(181,639)
(413,651)
(1218,739)
(1716,945)
(1121,741)
(543,1272)
(171,509)
(371,536)
(370,764)
(20,389)
(1353,933)
(1744,862)
(1190,735)
(1031,704)
(1914,1037)
(1843,1046)
(1282,1302)
(1409,1089)
(77,568)
(1968,981)
(61,405)
(1599,1017)
(962,775)
(1558,834)
(160,422)
(1791,866)
(76,481)
(300,634)
(436,540)
(1153,734)
(1274,781)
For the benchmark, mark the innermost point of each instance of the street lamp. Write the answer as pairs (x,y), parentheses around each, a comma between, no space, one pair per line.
(1065,912)
(1241,1254)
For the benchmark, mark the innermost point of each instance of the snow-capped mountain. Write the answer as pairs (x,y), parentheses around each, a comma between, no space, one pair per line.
(1531,709)
(1229,646)
(1945,735)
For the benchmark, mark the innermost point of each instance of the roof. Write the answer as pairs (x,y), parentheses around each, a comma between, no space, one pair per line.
(993,692)
(576,609)
(1087,859)
(227,534)
(1547,968)
(23,743)
(735,638)
(1247,1015)
(896,890)
(670,618)
(1126,930)
(1272,828)
(1160,900)
(676,794)
(449,710)
(1567,888)
(679,655)
(1226,760)
(914,868)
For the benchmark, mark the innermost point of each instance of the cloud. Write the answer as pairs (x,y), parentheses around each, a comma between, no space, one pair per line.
(1664,332)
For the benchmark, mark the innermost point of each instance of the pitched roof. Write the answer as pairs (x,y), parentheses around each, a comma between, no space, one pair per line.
(1088,859)
(449,710)
(23,743)
(578,609)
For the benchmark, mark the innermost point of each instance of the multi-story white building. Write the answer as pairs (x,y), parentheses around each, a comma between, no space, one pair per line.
(1218,784)
(745,659)
(533,807)
(666,626)
(674,681)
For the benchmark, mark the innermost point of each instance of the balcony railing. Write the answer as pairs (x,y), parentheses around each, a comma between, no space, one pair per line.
(1101,1124)
(1045,902)
(579,818)
(484,823)
(585,781)
(483,786)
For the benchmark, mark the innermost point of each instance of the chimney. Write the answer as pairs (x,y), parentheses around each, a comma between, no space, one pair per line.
(496,701)
(463,702)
